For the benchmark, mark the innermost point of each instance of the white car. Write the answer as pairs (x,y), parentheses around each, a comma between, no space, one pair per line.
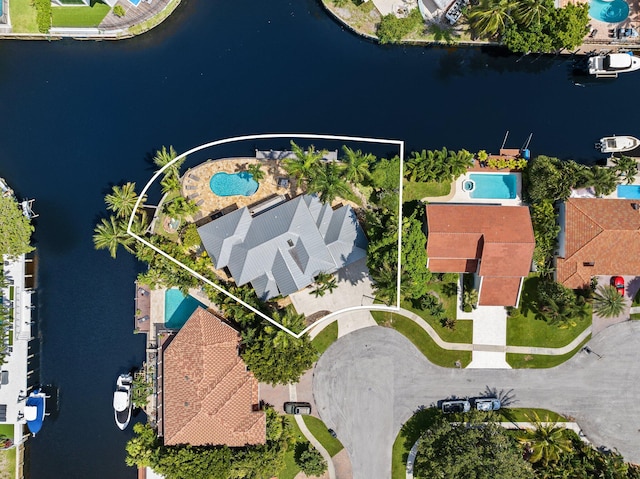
(487,404)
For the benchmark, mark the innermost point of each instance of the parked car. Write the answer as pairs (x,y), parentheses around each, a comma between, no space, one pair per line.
(297,408)
(487,404)
(456,405)
(618,282)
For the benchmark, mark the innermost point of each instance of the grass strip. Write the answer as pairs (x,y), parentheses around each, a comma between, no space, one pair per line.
(321,433)
(325,338)
(82,17)
(416,190)
(419,337)
(541,361)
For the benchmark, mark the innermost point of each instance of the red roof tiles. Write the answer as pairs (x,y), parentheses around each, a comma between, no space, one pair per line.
(602,237)
(500,237)
(209,397)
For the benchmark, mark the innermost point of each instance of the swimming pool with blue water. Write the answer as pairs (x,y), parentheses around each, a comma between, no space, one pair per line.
(500,186)
(628,191)
(233,184)
(614,11)
(178,308)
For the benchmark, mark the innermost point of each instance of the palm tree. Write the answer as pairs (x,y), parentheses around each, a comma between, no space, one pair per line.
(290,320)
(546,442)
(604,180)
(164,157)
(256,171)
(170,183)
(530,12)
(180,207)
(607,302)
(385,282)
(459,162)
(305,164)
(491,17)
(110,234)
(329,182)
(626,167)
(357,165)
(122,199)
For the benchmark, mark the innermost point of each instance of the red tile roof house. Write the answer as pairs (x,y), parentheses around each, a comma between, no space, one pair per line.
(208,396)
(495,242)
(598,236)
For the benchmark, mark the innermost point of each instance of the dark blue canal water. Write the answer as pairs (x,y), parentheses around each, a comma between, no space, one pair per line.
(78,117)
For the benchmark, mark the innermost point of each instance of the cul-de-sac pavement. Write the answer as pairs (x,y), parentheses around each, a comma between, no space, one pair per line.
(369,382)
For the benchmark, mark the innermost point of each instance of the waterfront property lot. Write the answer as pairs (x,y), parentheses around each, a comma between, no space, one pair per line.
(23,16)
(79,16)
(416,190)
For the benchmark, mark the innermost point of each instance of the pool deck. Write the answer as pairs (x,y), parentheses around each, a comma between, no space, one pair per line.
(602,36)
(195,185)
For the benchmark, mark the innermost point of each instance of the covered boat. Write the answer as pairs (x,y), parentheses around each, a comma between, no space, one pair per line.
(122,400)
(617,144)
(35,411)
(610,65)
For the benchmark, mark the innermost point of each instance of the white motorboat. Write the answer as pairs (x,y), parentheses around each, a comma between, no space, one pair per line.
(609,66)
(122,404)
(35,410)
(617,144)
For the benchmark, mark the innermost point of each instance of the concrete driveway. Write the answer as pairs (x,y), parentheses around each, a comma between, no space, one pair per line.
(368,383)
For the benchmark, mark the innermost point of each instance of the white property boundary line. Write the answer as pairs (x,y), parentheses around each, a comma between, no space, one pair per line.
(398,143)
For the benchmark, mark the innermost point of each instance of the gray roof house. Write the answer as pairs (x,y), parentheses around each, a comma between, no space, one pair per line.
(281,250)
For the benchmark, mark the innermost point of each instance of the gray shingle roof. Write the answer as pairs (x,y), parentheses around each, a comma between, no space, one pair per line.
(280,251)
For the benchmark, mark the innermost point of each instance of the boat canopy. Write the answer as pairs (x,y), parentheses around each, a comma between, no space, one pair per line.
(619,60)
(31,413)
(120,400)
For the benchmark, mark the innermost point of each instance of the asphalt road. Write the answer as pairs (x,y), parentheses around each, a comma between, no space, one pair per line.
(368,383)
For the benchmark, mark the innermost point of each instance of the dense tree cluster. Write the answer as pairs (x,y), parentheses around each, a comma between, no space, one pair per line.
(215,462)
(530,25)
(15,228)
(437,165)
(392,29)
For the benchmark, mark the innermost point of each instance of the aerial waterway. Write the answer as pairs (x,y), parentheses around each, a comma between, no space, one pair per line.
(79,117)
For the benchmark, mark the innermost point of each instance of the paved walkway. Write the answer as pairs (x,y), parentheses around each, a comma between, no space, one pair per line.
(489,329)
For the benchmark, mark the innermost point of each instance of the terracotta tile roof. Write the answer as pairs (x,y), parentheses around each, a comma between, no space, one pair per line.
(501,237)
(495,289)
(602,237)
(208,394)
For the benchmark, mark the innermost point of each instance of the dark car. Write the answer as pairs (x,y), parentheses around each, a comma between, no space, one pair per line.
(456,405)
(618,283)
(297,408)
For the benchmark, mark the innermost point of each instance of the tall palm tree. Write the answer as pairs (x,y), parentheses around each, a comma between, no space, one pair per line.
(531,12)
(356,165)
(626,167)
(385,279)
(305,164)
(122,199)
(329,182)
(607,302)
(180,207)
(164,157)
(546,442)
(604,180)
(459,162)
(170,183)
(491,17)
(110,234)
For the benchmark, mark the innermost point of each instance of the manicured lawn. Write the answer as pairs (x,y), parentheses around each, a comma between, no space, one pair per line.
(8,462)
(326,337)
(530,361)
(79,16)
(519,414)
(321,433)
(419,337)
(290,467)
(414,190)
(23,16)
(523,329)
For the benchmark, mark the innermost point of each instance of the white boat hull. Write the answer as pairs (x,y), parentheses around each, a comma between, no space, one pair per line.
(122,404)
(611,65)
(618,144)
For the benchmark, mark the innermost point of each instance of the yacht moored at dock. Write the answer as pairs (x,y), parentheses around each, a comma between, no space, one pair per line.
(612,64)
(35,410)
(617,144)
(122,404)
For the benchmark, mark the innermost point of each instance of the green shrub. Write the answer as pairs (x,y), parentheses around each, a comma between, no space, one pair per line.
(43,15)
(118,11)
(507,163)
(392,29)
(311,461)
(190,236)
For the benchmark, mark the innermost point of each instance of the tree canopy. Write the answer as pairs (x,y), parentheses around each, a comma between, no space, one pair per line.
(15,228)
